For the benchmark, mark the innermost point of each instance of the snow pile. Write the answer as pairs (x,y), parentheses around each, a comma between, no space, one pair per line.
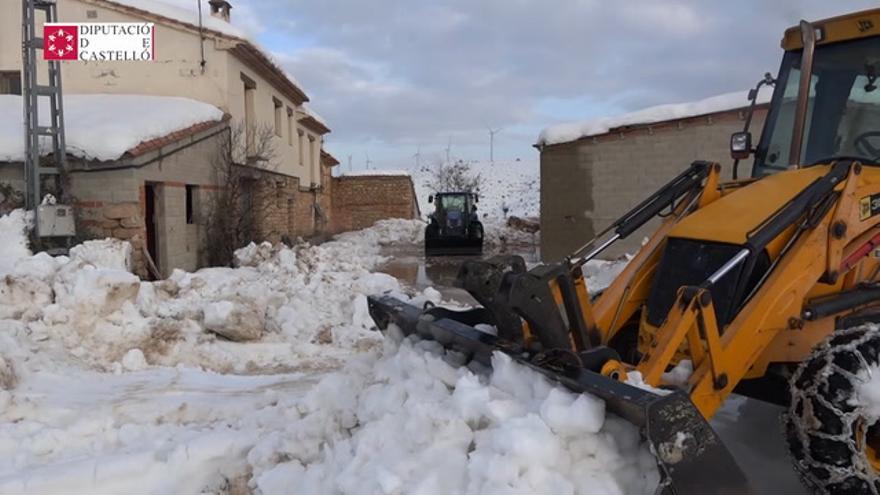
(13,240)
(407,421)
(109,384)
(572,131)
(105,129)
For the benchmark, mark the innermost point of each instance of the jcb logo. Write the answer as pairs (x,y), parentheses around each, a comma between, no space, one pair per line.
(865,208)
(865,25)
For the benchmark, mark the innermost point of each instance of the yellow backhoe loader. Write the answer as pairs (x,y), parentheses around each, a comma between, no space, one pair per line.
(767,285)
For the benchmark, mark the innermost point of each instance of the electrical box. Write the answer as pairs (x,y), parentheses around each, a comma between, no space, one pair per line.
(55,221)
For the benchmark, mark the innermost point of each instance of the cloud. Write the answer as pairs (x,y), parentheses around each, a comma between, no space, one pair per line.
(395,74)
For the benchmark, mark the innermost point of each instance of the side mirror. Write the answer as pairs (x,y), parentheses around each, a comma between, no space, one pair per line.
(431,198)
(740,145)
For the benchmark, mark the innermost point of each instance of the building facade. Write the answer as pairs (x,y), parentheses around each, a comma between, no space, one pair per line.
(590,181)
(153,195)
(213,63)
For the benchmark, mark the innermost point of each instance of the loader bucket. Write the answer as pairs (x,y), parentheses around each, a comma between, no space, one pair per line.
(691,457)
(453,246)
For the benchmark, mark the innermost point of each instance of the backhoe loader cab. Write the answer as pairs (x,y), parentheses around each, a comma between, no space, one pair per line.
(766,285)
(842,107)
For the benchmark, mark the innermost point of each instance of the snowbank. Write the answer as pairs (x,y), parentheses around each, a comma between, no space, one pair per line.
(572,131)
(105,128)
(406,421)
(109,385)
(13,240)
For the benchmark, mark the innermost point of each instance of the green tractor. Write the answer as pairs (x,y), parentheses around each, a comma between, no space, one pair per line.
(454,227)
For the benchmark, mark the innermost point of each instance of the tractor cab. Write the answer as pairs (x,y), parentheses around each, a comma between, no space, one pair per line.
(454,226)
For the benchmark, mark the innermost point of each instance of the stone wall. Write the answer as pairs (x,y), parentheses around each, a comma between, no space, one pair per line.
(284,210)
(360,201)
(589,183)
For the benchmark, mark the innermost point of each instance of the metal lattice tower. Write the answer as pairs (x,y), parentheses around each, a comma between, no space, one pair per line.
(34,94)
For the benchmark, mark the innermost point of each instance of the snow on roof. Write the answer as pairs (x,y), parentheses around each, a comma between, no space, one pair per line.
(572,131)
(104,127)
(307,109)
(185,11)
(360,173)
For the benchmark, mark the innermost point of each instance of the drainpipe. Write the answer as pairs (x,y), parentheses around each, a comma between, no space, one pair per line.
(808,36)
(202,62)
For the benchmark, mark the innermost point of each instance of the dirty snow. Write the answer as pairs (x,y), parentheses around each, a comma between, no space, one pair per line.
(100,119)
(572,131)
(109,384)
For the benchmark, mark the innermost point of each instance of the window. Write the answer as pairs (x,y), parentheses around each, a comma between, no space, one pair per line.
(191,206)
(291,127)
(10,82)
(842,112)
(279,108)
(250,90)
(313,158)
(302,148)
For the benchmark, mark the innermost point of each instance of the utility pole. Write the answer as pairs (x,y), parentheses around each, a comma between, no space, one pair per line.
(492,133)
(369,162)
(349,163)
(448,149)
(58,218)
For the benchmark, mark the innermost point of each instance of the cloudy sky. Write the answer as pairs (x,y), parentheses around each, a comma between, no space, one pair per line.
(396,76)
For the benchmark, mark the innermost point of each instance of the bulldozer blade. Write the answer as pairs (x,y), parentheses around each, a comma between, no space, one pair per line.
(691,456)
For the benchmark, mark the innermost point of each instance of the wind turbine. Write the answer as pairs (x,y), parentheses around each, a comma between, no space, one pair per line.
(418,157)
(492,133)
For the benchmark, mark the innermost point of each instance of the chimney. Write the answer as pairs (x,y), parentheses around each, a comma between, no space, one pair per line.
(220,9)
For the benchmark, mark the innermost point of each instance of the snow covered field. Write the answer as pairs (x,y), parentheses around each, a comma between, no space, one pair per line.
(507,189)
(110,385)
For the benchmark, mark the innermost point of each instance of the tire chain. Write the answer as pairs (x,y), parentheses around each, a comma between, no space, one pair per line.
(820,424)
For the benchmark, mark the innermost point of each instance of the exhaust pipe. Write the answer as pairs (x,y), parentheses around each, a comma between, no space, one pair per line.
(808,37)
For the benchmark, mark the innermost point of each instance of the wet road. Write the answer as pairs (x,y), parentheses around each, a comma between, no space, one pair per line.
(751,429)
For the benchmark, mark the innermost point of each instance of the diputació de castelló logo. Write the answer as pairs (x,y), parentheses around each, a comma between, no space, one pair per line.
(100,41)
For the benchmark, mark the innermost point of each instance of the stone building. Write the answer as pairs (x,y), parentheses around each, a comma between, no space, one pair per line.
(198,58)
(594,171)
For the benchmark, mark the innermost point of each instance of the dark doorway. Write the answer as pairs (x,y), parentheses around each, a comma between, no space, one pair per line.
(150,191)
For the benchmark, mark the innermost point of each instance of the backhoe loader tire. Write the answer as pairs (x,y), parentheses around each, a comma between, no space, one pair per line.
(825,427)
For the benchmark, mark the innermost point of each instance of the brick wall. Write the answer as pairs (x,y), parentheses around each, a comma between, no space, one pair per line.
(359,201)
(589,183)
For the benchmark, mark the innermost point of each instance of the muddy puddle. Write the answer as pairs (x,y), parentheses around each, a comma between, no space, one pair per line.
(409,265)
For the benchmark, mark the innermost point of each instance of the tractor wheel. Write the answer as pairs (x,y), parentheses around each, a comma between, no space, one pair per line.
(476,231)
(833,438)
